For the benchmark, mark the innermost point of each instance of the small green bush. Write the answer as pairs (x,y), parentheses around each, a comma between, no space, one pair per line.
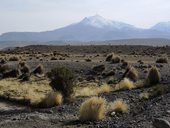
(62,79)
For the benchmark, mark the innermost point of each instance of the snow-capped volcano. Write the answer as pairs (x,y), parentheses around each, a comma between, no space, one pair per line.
(100,22)
(93,28)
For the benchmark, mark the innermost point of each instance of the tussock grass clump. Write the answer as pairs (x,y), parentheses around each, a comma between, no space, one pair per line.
(109,57)
(113,58)
(62,79)
(93,109)
(131,73)
(116,59)
(119,106)
(39,69)
(13,58)
(51,99)
(125,84)
(162,60)
(153,76)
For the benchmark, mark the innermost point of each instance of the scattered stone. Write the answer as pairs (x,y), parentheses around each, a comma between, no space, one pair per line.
(168,112)
(113,113)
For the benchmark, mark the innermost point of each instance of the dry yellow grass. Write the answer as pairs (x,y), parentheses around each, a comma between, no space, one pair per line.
(105,88)
(31,92)
(140,83)
(58,98)
(119,105)
(92,89)
(52,99)
(125,84)
(93,109)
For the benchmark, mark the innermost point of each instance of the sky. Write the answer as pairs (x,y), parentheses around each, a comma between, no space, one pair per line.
(43,15)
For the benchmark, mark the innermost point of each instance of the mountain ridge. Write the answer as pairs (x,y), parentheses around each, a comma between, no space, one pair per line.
(93,28)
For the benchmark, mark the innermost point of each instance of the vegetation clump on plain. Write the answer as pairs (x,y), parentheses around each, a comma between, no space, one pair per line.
(93,109)
(162,60)
(62,79)
(153,77)
(119,106)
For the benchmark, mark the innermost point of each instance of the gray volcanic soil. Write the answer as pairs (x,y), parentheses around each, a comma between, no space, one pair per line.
(141,114)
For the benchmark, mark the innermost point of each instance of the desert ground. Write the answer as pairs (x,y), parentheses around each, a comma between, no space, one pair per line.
(129,87)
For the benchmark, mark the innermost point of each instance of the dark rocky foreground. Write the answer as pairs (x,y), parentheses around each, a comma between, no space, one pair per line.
(142,112)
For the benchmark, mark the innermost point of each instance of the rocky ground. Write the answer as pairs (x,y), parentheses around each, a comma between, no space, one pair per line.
(142,112)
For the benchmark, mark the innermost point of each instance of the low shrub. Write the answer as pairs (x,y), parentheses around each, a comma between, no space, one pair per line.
(62,79)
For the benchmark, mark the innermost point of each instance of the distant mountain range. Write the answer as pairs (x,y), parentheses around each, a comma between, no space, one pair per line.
(94,28)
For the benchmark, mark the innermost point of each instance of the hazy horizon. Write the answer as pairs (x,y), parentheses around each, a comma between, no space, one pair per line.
(42,15)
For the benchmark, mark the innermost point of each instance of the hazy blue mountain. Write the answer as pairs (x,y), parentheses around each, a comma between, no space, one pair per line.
(162,26)
(94,28)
